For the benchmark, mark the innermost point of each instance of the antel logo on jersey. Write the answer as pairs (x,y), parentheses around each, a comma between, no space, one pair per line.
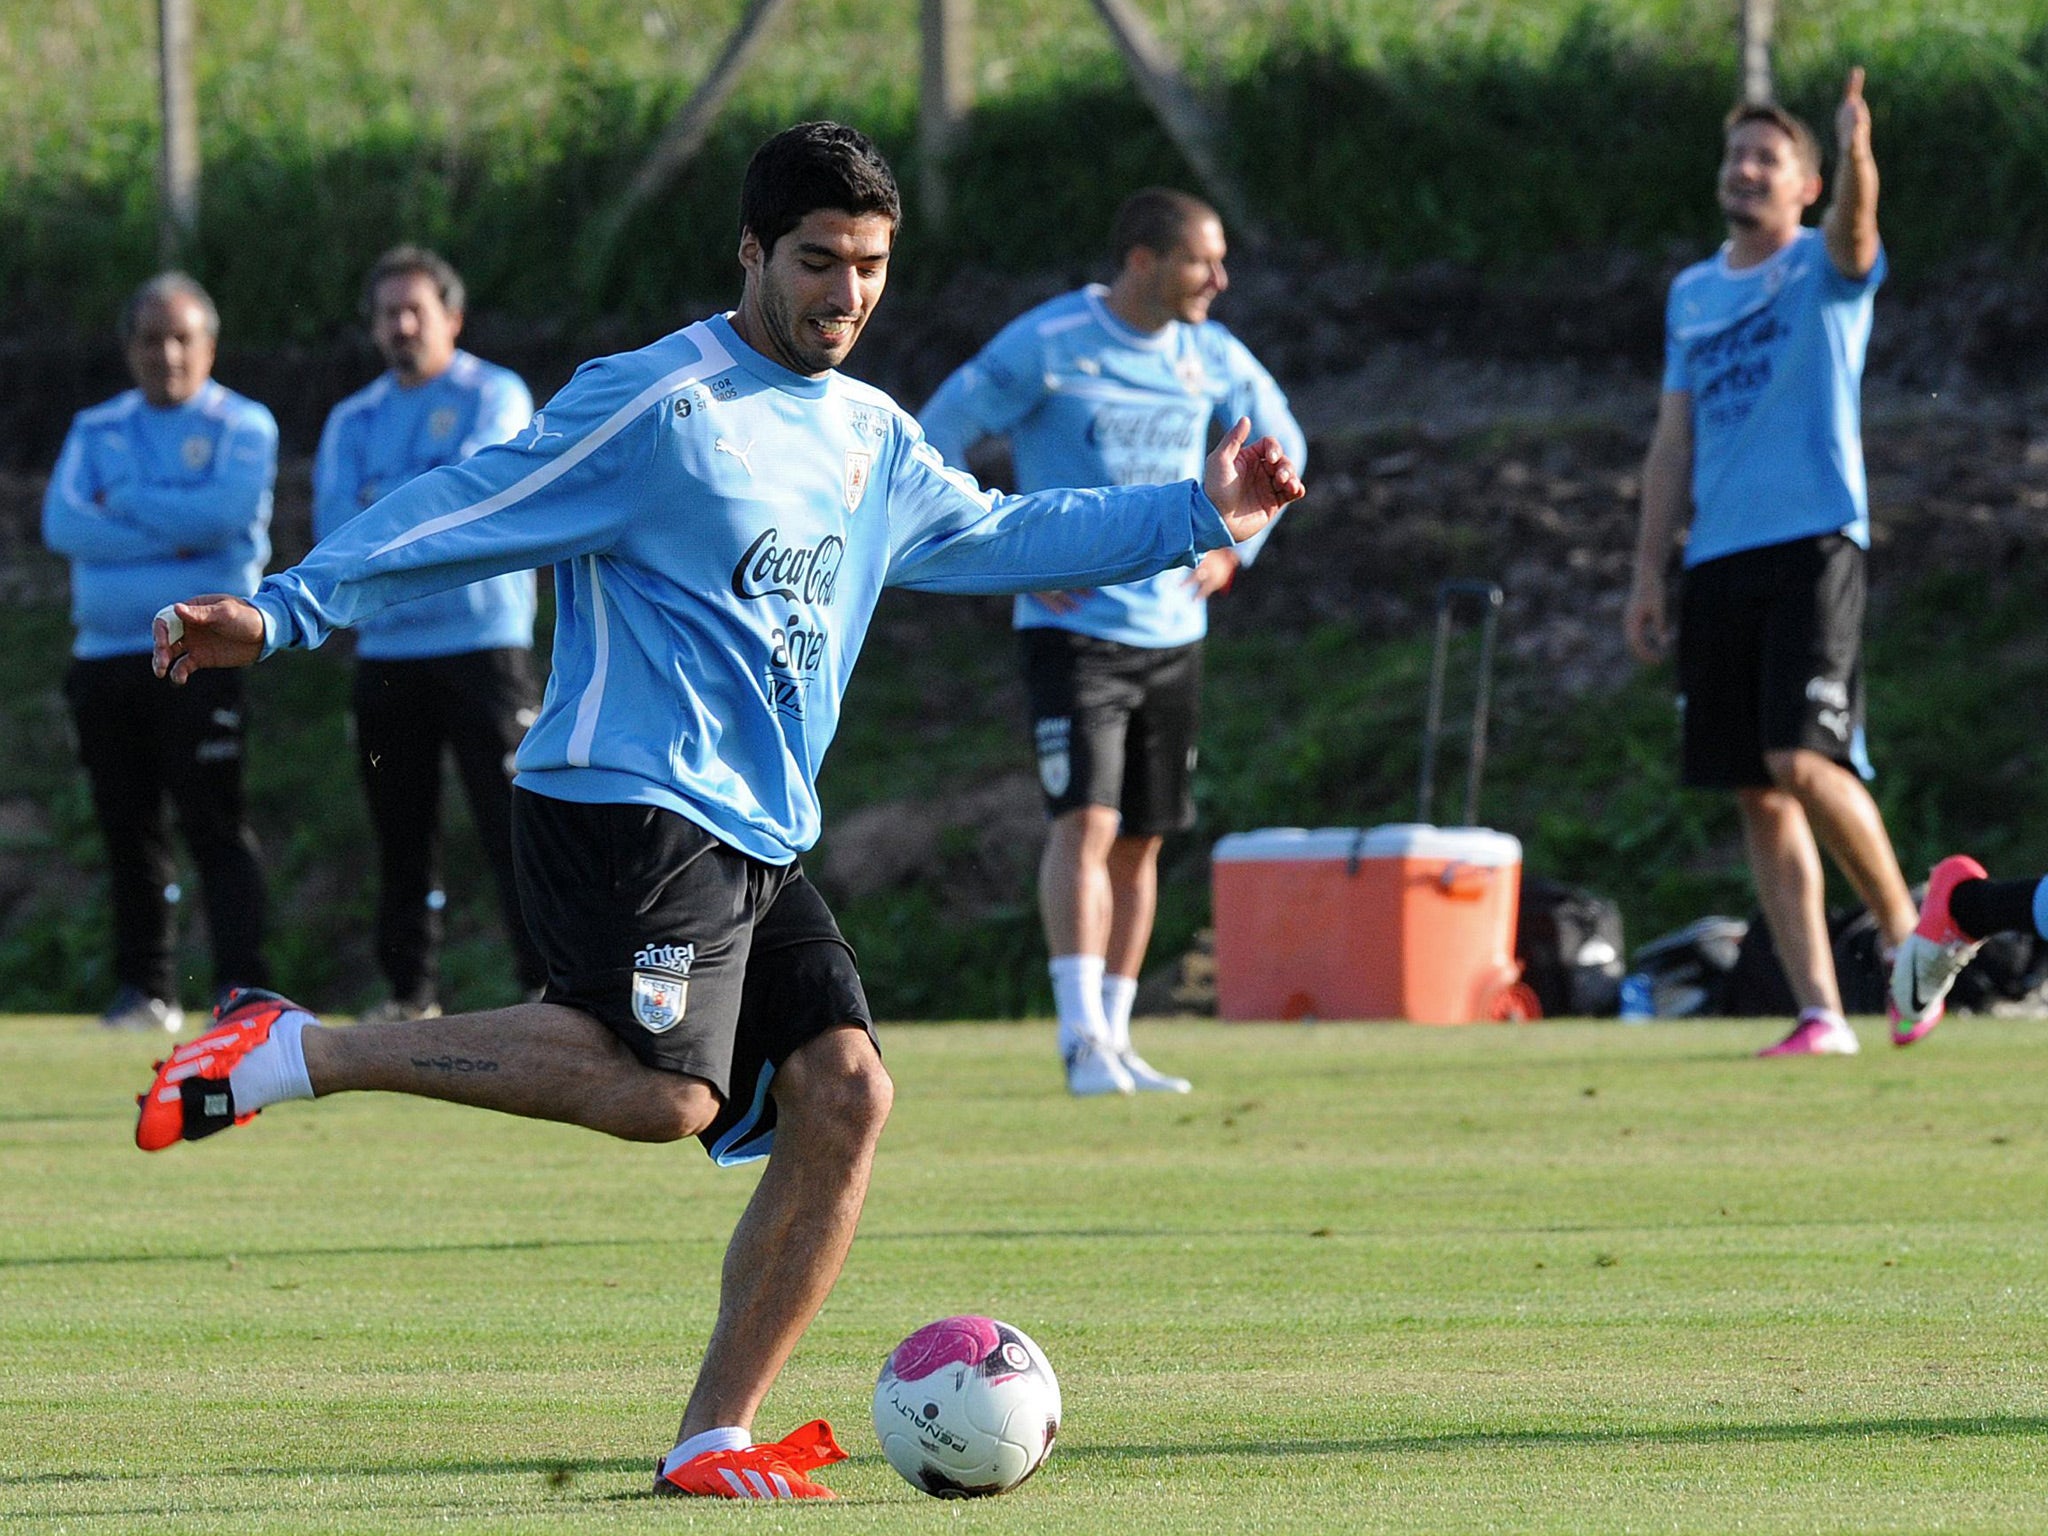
(795,573)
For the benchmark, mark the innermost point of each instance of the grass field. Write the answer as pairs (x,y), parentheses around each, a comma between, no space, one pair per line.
(1565,1278)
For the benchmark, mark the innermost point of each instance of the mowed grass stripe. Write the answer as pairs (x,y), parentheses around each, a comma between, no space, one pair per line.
(1573,1277)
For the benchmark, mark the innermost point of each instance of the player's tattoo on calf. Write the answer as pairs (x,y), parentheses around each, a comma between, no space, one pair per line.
(453,1066)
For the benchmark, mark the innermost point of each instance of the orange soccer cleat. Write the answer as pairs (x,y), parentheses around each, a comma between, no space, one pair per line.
(191,1097)
(759,1471)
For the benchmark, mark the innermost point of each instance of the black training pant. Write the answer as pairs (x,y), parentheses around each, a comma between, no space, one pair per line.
(147,747)
(477,705)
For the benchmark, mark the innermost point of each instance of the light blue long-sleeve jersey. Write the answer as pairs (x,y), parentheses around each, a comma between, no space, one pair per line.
(384,435)
(1085,399)
(155,504)
(721,529)
(1772,356)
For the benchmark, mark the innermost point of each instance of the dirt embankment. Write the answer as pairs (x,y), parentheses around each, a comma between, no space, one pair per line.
(1454,421)
(1456,428)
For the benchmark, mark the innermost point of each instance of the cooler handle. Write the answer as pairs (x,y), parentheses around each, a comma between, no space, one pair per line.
(1447,594)
(1454,881)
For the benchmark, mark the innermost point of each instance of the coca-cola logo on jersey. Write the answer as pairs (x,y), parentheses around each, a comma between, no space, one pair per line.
(797,573)
(1170,427)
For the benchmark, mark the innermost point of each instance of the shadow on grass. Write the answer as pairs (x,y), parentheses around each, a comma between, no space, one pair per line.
(1984,1427)
(554,1468)
(561,1471)
(1559,1230)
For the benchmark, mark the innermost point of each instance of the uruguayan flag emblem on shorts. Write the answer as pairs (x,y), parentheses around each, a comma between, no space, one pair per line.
(658,1000)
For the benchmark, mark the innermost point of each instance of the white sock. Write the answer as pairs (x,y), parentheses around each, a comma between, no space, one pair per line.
(275,1070)
(1832,1019)
(1077,993)
(1118,993)
(724,1438)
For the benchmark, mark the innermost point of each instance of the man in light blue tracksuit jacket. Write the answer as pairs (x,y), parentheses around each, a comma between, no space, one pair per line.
(722,510)
(1117,385)
(159,491)
(450,674)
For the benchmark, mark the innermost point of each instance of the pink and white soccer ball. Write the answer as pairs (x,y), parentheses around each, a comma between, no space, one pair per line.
(966,1407)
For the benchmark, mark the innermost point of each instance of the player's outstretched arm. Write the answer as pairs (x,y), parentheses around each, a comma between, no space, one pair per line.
(217,630)
(1851,224)
(1249,482)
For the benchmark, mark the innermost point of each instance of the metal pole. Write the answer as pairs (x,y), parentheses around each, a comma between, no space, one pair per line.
(1174,103)
(945,96)
(1759,17)
(681,140)
(178,216)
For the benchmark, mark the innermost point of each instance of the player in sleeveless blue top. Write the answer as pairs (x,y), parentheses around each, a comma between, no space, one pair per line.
(1122,385)
(449,674)
(1759,437)
(722,509)
(164,488)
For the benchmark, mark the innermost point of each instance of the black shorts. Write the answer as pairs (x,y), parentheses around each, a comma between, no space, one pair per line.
(1115,725)
(1770,659)
(701,959)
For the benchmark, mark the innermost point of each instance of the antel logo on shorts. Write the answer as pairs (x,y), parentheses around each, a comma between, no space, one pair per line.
(677,958)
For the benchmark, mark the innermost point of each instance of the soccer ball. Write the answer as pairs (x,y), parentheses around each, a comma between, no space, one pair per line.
(966,1407)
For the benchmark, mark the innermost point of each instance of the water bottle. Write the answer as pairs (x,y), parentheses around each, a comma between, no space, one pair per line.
(1638,999)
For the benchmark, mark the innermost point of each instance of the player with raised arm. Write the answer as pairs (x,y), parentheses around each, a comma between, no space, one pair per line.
(722,510)
(1759,436)
(1123,385)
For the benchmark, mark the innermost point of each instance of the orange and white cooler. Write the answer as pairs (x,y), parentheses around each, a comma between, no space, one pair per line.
(1405,921)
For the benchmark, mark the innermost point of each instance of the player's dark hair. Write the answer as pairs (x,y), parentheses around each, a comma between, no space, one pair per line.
(1804,143)
(813,166)
(167,285)
(1156,219)
(410,261)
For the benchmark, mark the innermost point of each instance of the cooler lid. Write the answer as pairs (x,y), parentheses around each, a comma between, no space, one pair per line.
(1405,839)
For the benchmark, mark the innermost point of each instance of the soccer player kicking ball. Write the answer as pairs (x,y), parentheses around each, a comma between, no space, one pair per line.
(722,510)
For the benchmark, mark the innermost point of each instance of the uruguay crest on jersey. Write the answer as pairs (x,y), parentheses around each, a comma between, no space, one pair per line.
(859,465)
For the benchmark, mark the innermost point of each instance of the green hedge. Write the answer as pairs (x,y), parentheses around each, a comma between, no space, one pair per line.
(1493,147)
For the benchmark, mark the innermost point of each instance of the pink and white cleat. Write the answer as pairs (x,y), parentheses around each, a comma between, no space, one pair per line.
(1818,1033)
(1933,955)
